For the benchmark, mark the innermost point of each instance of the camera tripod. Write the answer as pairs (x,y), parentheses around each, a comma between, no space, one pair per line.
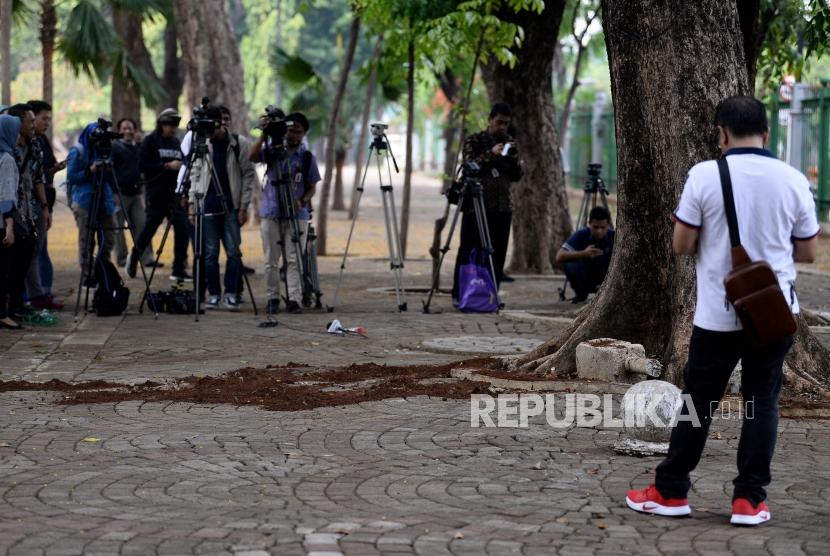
(94,226)
(199,152)
(595,191)
(306,254)
(380,148)
(468,185)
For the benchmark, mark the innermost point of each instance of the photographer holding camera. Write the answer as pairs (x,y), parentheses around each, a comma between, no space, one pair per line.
(160,158)
(495,152)
(300,166)
(81,169)
(587,254)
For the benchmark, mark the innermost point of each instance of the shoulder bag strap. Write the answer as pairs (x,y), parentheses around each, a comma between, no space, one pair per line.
(739,255)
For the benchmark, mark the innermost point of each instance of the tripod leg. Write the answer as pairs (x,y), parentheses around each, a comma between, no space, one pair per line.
(392,237)
(198,254)
(444,251)
(351,231)
(149,280)
(484,236)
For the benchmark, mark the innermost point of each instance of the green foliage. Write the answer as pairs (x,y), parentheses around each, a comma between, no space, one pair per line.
(798,32)
(88,41)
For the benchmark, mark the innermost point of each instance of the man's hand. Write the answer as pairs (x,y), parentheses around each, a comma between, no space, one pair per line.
(191,214)
(8,241)
(263,121)
(173,165)
(242,216)
(47,217)
(591,252)
(496,150)
(92,168)
(59,166)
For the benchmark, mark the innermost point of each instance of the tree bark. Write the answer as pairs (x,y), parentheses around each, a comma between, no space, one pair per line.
(173,78)
(339,160)
(331,136)
(670,66)
(410,125)
(48,31)
(364,125)
(211,58)
(749,17)
(125,100)
(6,51)
(541,221)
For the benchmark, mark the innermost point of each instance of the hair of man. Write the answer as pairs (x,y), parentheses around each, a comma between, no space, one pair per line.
(39,106)
(599,213)
(501,108)
(743,116)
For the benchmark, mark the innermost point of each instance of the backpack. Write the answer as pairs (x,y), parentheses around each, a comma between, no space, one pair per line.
(112,295)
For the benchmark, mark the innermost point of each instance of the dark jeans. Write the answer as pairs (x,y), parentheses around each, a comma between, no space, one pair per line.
(18,258)
(181,234)
(499,225)
(5,272)
(712,358)
(224,230)
(585,276)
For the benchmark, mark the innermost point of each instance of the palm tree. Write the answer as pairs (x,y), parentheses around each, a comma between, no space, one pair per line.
(103,48)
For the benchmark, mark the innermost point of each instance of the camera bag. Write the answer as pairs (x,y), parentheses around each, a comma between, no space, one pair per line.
(111,296)
(752,287)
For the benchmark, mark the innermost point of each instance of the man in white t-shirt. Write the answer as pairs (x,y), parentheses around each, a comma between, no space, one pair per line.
(777,223)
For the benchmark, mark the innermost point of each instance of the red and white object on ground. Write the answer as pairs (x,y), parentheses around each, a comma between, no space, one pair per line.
(744,513)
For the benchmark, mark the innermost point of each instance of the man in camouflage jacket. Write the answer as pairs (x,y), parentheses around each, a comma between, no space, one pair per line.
(498,171)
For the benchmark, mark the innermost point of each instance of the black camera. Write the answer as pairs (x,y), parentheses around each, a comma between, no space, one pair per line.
(276,125)
(202,124)
(101,137)
(467,171)
(594,169)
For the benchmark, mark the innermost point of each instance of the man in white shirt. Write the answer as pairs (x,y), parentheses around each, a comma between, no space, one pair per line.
(777,223)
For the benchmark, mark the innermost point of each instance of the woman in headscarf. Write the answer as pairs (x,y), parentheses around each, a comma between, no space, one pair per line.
(81,170)
(9,177)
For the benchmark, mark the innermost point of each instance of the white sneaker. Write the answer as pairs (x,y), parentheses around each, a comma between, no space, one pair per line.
(212,302)
(231,303)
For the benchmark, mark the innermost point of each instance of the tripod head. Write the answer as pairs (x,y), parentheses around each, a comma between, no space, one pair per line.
(381,142)
(594,183)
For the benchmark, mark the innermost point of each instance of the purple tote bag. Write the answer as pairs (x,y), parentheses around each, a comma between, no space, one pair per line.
(477,293)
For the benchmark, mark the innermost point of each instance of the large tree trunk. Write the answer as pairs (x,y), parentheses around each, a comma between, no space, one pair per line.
(48,31)
(410,125)
(670,65)
(125,100)
(339,161)
(451,88)
(331,136)
(749,17)
(364,126)
(173,78)
(6,51)
(211,58)
(541,221)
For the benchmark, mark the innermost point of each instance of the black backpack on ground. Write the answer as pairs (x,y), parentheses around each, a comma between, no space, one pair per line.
(112,295)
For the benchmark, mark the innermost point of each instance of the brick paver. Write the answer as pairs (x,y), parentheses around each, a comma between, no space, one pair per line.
(398,476)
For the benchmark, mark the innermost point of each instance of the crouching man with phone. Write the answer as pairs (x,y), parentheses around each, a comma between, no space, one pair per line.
(587,254)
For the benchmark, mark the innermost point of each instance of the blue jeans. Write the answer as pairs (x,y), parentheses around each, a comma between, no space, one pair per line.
(712,358)
(47,272)
(225,229)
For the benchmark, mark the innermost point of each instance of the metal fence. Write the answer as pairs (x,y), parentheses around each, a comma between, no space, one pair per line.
(800,136)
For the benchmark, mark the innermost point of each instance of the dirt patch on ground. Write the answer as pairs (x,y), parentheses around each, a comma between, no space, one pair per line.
(288,387)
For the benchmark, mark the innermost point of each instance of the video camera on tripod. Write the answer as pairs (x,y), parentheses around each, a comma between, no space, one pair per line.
(101,138)
(467,172)
(202,124)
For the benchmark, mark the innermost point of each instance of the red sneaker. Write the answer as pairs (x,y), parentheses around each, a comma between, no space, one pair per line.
(744,513)
(650,501)
(46,302)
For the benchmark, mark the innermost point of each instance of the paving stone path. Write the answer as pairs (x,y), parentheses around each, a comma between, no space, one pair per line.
(402,476)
